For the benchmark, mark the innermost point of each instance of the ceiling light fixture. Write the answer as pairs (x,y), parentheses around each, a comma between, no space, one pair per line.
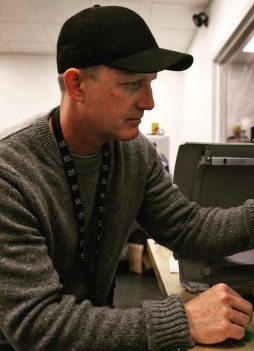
(200,19)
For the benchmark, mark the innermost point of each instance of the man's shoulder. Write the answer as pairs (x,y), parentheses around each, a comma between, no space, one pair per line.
(16,129)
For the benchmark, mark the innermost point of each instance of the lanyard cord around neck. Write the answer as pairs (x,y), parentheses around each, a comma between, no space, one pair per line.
(74,187)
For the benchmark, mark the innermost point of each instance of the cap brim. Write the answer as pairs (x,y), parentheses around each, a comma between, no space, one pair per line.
(153,60)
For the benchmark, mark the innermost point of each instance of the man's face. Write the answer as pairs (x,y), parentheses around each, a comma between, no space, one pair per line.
(115,102)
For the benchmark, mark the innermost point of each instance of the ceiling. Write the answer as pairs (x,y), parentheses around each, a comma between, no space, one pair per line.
(32,26)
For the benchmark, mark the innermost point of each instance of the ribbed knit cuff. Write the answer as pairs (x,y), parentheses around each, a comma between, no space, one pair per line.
(167,325)
(250,220)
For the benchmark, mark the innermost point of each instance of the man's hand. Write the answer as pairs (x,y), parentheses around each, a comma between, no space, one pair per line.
(218,314)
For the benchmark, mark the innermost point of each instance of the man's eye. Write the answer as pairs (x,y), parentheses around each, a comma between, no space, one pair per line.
(133,85)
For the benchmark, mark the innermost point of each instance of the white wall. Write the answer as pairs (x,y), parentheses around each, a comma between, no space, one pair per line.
(28,85)
(168,110)
(198,114)
(184,103)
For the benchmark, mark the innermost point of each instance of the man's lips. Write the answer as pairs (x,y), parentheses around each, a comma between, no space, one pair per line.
(134,120)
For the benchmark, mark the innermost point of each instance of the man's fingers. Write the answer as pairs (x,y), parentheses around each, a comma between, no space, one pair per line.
(236,332)
(242,311)
(239,318)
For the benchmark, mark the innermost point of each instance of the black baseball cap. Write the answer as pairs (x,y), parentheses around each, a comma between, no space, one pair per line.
(114,36)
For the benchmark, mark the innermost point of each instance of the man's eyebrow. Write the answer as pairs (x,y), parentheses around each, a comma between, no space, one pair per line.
(127,74)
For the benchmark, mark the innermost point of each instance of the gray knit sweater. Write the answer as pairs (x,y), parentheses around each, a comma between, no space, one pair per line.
(43,288)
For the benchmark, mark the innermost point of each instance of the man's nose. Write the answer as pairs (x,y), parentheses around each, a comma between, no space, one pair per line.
(146,101)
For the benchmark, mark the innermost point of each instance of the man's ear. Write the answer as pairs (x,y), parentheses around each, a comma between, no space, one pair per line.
(73,80)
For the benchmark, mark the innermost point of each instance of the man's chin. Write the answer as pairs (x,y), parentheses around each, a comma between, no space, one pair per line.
(127,136)
(131,135)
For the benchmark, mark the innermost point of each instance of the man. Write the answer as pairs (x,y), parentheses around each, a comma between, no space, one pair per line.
(72,183)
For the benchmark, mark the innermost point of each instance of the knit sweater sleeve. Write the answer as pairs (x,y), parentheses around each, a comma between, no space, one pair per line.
(36,314)
(167,325)
(187,228)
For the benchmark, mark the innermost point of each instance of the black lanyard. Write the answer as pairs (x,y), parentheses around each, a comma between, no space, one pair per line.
(74,187)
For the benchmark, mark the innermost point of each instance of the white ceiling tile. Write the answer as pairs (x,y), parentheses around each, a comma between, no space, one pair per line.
(202,3)
(52,31)
(106,2)
(142,1)
(22,32)
(16,10)
(57,11)
(173,16)
(142,8)
(27,25)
